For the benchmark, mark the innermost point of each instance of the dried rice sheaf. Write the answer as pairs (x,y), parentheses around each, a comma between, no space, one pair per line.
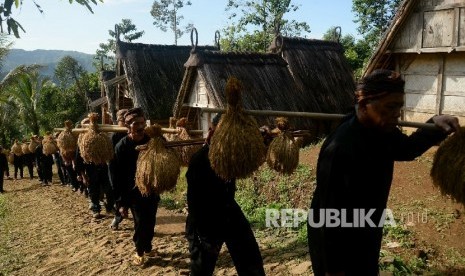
(16,149)
(448,170)
(33,145)
(25,148)
(94,146)
(283,154)
(237,148)
(49,145)
(185,152)
(67,142)
(172,125)
(158,167)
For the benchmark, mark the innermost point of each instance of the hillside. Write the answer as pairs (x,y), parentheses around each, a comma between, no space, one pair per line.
(48,58)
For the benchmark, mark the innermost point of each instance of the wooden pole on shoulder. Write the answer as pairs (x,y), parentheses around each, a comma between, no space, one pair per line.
(312,115)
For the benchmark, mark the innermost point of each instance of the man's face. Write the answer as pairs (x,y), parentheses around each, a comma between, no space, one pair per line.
(384,113)
(136,128)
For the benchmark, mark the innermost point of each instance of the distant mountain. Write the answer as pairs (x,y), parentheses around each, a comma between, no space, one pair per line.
(48,58)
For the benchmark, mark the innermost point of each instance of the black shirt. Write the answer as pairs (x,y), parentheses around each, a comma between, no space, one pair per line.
(125,164)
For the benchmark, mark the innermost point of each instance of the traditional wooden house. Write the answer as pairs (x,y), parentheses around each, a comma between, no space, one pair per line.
(426,44)
(148,76)
(267,83)
(301,75)
(319,67)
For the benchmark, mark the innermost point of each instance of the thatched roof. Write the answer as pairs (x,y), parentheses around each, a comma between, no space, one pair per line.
(154,74)
(268,84)
(380,59)
(321,69)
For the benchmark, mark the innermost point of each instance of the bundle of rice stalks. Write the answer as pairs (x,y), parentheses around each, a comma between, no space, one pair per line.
(33,145)
(172,125)
(158,167)
(448,170)
(49,144)
(283,152)
(185,152)
(236,148)
(94,146)
(16,149)
(25,148)
(67,142)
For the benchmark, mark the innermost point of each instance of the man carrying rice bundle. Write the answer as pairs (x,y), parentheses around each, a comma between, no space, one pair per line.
(128,196)
(354,175)
(115,138)
(215,218)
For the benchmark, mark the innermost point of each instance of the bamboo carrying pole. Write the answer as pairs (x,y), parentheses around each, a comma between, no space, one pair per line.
(318,116)
(115,128)
(312,115)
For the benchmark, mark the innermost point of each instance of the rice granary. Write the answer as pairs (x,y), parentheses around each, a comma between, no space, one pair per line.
(147,76)
(273,81)
(425,43)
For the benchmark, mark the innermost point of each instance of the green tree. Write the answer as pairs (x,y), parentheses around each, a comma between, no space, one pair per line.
(25,94)
(255,23)
(9,125)
(57,106)
(13,26)
(166,15)
(374,17)
(68,72)
(106,52)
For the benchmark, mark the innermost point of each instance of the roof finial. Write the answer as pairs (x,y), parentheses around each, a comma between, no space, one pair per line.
(194,45)
(217,39)
(337,34)
(279,43)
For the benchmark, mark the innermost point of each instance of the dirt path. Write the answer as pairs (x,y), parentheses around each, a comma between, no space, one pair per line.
(50,231)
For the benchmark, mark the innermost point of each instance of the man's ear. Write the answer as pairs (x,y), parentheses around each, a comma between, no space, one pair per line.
(362,106)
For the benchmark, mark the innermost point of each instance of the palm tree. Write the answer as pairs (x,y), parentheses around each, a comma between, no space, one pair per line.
(25,93)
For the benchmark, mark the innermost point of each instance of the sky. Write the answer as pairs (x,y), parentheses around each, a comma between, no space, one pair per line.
(65,26)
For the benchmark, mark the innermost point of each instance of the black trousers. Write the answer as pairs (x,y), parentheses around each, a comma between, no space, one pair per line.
(144,210)
(18,164)
(235,231)
(360,259)
(98,183)
(72,175)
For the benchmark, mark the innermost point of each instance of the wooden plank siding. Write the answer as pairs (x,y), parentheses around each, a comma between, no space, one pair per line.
(435,84)
(462,27)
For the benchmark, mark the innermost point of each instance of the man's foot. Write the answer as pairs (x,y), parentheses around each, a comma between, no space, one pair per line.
(138,260)
(115,223)
(151,254)
(96,215)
